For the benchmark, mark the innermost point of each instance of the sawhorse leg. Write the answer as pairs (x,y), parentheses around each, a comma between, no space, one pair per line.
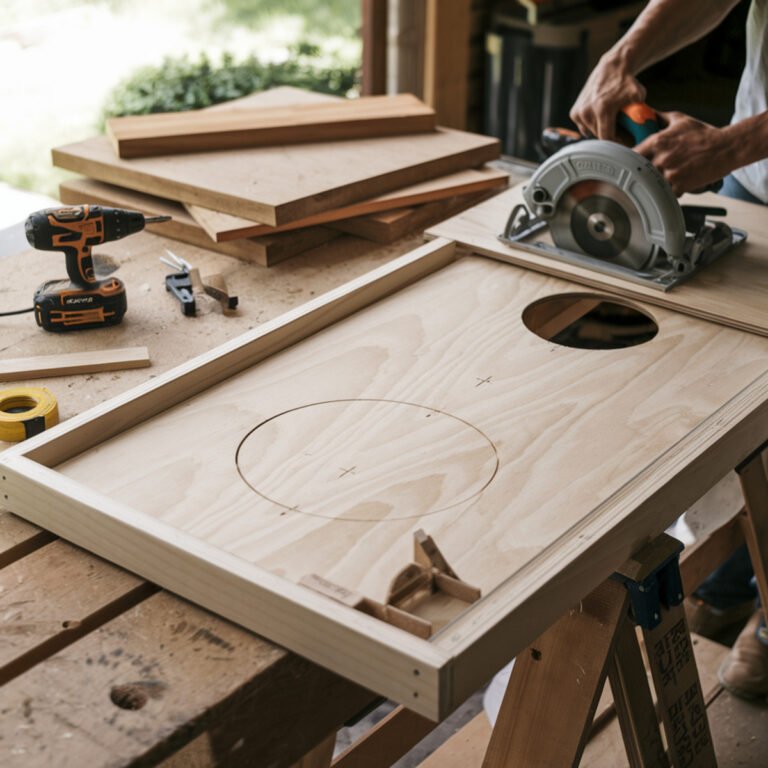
(754,486)
(550,702)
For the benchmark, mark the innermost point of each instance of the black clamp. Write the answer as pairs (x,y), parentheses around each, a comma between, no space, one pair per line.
(180,285)
(661,586)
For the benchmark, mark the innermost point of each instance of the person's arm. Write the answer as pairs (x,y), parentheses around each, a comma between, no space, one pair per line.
(662,28)
(692,154)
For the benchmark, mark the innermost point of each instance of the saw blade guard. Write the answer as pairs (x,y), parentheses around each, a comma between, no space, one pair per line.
(604,161)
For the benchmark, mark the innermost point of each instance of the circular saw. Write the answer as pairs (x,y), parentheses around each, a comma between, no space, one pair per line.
(609,209)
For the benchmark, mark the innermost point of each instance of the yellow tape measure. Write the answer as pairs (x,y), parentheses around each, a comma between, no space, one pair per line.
(26,411)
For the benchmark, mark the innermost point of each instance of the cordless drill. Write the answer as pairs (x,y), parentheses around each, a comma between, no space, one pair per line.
(84,301)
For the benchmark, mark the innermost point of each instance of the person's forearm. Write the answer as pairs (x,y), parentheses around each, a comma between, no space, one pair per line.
(748,140)
(664,27)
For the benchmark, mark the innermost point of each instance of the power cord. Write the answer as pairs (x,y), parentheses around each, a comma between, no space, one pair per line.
(17,312)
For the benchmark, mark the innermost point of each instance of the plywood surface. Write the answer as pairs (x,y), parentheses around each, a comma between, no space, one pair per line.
(266,250)
(434,408)
(201,130)
(733,290)
(275,185)
(222,227)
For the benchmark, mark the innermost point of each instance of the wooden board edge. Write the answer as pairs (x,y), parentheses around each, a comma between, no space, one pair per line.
(350,643)
(130,408)
(482,643)
(387,202)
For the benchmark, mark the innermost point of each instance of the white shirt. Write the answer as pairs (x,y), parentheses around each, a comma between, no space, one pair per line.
(752,96)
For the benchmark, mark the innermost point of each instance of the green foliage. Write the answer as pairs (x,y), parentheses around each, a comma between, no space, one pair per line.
(325,17)
(181,84)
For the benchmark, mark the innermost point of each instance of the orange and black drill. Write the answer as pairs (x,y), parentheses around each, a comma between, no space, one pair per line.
(84,301)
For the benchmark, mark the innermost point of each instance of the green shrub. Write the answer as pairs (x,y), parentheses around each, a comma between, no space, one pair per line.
(180,84)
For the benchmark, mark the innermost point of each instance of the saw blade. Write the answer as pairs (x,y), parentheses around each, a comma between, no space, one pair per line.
(600,220)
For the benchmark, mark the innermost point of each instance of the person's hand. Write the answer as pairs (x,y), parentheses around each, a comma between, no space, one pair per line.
(689,154)
(609,88)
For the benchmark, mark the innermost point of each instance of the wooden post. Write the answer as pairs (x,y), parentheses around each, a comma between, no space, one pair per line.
(555,685)
(446,60)
(374,47)
(634,703)
(754,486)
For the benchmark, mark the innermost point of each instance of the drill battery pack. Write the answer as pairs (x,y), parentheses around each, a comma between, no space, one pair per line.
(62,306)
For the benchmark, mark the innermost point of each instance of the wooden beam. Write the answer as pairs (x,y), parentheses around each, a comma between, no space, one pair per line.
(446,60)
(374,47)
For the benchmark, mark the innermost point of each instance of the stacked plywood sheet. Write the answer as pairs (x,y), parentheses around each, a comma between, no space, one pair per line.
(230,188)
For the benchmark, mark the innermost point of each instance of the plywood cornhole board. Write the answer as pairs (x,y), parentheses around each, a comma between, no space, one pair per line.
(411,399)
(733,290)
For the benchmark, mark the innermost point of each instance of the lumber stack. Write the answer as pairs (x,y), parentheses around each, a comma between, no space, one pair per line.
(274,174)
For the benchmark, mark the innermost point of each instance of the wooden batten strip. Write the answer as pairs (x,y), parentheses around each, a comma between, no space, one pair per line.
(92,361)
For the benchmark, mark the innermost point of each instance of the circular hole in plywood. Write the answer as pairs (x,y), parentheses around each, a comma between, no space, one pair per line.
(366,460)
(589,321)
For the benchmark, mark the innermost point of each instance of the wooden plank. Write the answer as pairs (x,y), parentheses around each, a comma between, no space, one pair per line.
(731,291)
(454,345)
(446,60)
(173,133)
(146,683)
(388,740)
(374,25)
(634,703)
(223,227)
(42,613)
(92,361)
(389,226)
(537,727)
(699,560)
(18,538)
(320,756)
(679,690)
(267,250)
(276,185)
(754,484)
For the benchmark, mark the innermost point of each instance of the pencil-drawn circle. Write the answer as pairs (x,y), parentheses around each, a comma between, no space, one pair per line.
(366,460)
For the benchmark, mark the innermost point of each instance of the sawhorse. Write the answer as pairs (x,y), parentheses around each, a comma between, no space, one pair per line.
(552,695)
(551,698)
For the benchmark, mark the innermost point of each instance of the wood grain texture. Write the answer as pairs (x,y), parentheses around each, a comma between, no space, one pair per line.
(184,672)
(730,291)
(388,226)
(175,133)
(537,727)
(633,437)
(446,59)
(92,361)
(267,250)
(276,185)
(223,227)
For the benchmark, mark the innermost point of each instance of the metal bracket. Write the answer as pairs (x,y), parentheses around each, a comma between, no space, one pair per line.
(654,587)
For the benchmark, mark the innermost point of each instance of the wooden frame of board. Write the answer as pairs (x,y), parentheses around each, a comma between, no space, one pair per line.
(714,430)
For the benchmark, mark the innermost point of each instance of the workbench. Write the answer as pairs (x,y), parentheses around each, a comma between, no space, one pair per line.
(100,673)
(99,667)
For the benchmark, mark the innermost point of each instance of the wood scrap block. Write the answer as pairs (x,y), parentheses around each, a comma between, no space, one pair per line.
(266,251)
(92,361)
(223,226)
(203,131)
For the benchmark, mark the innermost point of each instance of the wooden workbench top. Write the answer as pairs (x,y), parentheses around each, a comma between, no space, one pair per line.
(99,667)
